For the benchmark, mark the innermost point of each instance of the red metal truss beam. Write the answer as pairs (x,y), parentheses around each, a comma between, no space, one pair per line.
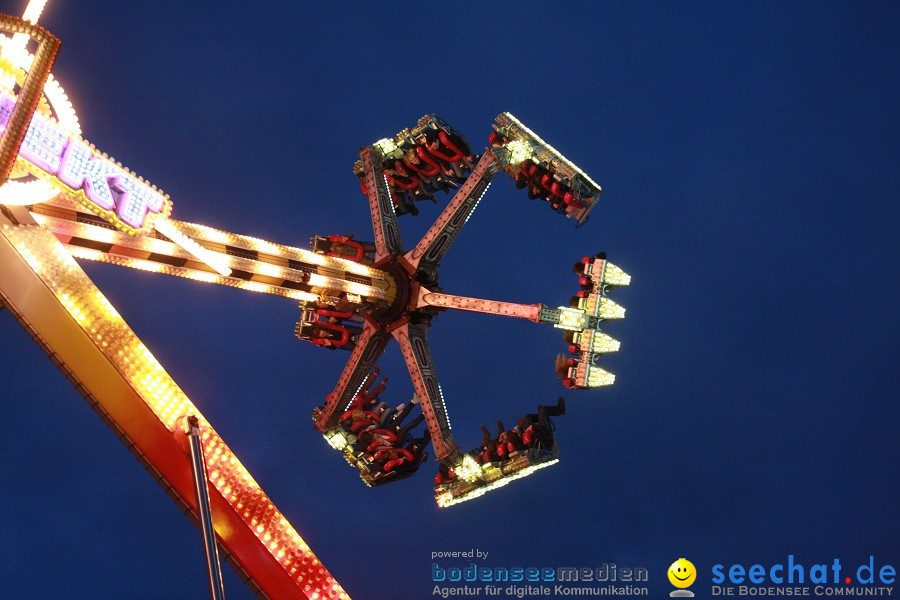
(71,320)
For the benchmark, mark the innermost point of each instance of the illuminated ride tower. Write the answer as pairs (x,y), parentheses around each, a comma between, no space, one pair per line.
(61,199)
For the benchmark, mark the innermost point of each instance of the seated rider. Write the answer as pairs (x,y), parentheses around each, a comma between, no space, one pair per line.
(445,475)
(416,447)
(403,432)
(562,366)
(391,458)
(535,427)
(393,417)
(487,451)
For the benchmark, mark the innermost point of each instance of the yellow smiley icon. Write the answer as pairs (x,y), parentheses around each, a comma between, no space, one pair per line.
(682,573)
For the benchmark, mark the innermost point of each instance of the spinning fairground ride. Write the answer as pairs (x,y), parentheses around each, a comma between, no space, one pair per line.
(62,199)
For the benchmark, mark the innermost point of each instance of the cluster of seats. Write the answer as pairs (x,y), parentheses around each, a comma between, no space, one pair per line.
(533,431)
(543,182)
(329,328)
(577,301)
(565,364)
(344,246)
(388,448)
(428,159)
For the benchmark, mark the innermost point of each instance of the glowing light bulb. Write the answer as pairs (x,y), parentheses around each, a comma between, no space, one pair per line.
(571,318)
(613,275)
(519,151)
(610,310)
(600,342)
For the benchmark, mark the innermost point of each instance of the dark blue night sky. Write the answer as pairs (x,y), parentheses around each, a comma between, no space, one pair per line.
(749,160)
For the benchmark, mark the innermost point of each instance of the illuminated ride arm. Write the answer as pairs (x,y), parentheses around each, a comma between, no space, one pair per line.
(253,264)
(420,363)
(590,308)
(532,312)
(354,377)
(381,206)
(427,255)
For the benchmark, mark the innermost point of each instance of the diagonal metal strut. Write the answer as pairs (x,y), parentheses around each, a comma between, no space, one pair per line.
(417,354)
(381,206)
(440,236)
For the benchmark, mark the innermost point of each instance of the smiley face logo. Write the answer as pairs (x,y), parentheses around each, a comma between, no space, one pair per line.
(682,573)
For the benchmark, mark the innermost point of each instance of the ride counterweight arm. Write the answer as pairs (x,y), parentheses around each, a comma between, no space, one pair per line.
(256,265)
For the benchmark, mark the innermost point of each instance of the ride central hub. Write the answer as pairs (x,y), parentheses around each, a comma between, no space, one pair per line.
(404,285)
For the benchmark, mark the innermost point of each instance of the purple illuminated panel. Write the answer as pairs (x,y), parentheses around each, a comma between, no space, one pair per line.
(80,167)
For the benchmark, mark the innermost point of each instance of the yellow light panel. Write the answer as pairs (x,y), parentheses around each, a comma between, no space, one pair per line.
(613,275)
(519,151)
(600,342)
(469,469)
(571,318)
(597,377)
(447,499)
(610,310)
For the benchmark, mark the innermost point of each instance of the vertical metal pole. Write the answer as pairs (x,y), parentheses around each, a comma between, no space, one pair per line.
(198,465)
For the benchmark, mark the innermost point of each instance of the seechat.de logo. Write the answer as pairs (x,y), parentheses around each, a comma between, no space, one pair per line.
(682,574)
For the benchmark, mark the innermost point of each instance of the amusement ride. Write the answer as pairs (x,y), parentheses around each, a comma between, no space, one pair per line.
(62,199)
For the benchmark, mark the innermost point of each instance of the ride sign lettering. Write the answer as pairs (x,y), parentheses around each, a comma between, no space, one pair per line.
(106,188)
